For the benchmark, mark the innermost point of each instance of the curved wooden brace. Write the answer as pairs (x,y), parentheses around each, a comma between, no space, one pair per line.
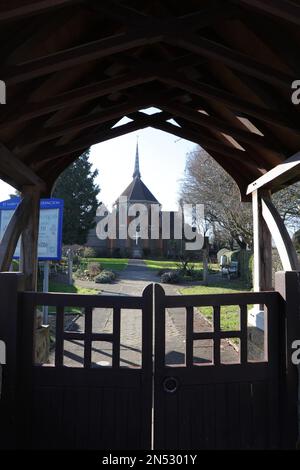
(13,231)
(281,237)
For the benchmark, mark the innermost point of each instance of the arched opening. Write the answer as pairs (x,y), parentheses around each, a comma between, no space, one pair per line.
(220,74)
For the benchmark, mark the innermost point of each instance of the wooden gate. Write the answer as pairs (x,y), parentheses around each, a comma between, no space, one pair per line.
(201,400)
(204,403)
(93,406)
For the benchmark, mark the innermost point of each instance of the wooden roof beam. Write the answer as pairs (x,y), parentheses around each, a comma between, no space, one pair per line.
(78,55)
(230,100)
(282,175)
(219,125)
(203,141)
(204,17)
(16,171)
(75,97)
(140,34)
(31,8)
(147,33)
(85,142)
(159,121)
(169,73)
(135,103)
(231,58)
(92,119)
(187,39)
(278,8)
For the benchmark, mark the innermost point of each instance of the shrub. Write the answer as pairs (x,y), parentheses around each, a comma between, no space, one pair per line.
(296,240)
(89,252)
(170,277)
(105,277)
(161,271)
(15,264)
(94,269)
(194,275)
(251,267)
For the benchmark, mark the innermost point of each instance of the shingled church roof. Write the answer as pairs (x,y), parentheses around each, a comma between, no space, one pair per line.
(137,191)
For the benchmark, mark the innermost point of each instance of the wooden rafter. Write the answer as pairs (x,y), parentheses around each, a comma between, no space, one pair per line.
(282,9)
(140,35)
(76,96)
(280,176)
(145,34)
(206,16)
(77,55)
(170,73)
(202,140)
(113,57)
(32,8)
(197,44)
(85,142)
(23,174)
(234,102)
(234,59)
(84,122)
(217,124)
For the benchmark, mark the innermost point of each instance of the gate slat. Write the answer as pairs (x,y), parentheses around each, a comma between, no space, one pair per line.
(189,344)
(217,341)
(88,322)
(59,337)
(116,337)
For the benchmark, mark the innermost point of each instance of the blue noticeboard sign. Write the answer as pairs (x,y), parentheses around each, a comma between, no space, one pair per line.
(50,226)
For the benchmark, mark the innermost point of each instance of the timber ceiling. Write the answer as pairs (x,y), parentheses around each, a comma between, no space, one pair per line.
(221,69)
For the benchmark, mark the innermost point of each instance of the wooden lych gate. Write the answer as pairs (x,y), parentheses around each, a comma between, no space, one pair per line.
(220,74)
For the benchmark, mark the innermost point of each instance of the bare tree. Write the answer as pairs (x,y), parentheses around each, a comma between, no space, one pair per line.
(205,182)
(287,202)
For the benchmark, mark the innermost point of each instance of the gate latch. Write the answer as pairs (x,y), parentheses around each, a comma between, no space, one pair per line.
(170,384)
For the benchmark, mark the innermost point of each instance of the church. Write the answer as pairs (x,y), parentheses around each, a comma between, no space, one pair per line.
(137,247)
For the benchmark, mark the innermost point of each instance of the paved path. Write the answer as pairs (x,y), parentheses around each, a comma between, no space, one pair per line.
(132,281)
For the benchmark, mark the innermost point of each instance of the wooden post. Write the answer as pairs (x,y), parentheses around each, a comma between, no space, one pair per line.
(205,252)
(288,285)
(281,236)
(262,244)
(29,258)
(10,285)
(70,267)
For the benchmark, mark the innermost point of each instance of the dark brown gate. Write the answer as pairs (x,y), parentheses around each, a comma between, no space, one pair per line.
(86,407)
(204,403)
(201,401)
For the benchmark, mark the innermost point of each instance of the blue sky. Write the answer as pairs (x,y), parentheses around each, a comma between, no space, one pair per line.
(162,163)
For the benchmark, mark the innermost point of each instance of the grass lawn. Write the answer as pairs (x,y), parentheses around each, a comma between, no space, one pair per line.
(230,320)
(60,287)
(112,264)
(168,264)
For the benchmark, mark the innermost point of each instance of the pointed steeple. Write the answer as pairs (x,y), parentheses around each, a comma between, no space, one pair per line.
(136,173)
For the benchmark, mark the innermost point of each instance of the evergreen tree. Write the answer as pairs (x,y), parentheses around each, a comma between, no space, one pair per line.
(77,187)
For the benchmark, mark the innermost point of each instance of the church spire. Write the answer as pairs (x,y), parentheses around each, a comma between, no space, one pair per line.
(136,173)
